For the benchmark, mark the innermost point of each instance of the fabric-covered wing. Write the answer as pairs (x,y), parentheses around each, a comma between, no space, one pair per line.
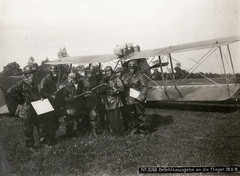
(84,59)
(182,48)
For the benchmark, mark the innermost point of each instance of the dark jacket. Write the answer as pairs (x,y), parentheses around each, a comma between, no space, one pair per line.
(84,85)
(47,86)
(69,93)
(138,82)
(112,99)
(22,90)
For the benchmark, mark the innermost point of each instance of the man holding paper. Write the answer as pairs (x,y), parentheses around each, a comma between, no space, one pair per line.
(27,88)
(48,87)
(136,86)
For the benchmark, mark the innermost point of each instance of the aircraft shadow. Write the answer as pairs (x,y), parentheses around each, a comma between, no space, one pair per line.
(195,107)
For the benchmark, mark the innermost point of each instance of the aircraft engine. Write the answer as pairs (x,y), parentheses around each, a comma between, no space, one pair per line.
(125,48)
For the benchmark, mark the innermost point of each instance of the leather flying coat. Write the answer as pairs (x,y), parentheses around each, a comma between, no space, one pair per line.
(112,99)
(138,82)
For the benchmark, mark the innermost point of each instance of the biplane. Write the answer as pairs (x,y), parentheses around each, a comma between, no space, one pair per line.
(181,89)
(172,88)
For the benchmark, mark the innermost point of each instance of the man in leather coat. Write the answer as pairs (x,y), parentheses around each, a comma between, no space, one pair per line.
(89,102)
(134,79)
(70,103)
(112,101)
(28,89)
(48,87)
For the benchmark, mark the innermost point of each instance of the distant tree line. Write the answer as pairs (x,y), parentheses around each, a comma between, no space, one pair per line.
(157,76)
(13,68)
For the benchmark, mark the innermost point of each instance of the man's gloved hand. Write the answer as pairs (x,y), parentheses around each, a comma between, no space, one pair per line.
(141,98)
(69,99)
(112,91)
(88,93)
(52,97)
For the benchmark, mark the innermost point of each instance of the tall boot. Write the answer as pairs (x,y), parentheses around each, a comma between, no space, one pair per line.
(93,133)
(142,123)
(94,121)
(133,125)
(69,124)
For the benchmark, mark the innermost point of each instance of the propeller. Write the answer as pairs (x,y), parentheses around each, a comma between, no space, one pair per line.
(159,65)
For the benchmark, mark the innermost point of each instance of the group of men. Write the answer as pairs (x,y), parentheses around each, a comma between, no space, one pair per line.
(99,102)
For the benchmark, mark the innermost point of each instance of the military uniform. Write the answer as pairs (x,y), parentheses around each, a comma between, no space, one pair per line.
(70,104)
(156,75)
(28,90)
(113,102)
(48,86)
(102,112)
(90,102)
(119,73)
(135,106)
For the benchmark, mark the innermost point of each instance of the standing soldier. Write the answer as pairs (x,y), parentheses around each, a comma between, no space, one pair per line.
(156,75)
(70,103)
(79,72)
(136,80)
(102,112)
(98,73)
(119,73)
(90,113)
(113,102)
(28,89)
(48,87)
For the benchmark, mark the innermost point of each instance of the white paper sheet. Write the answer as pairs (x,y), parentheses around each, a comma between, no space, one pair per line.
(134,93)
(4,109)
(42,106)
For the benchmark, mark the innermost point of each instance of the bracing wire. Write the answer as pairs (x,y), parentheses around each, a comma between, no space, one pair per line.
(204,57)
(152,80)
(204,65)
(111,64)
(196,62)
(151,60)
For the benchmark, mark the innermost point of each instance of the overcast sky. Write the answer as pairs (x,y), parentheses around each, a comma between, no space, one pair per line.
(39,28)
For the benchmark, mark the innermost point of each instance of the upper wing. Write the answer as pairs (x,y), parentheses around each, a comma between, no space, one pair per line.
(147,53)
(84,59)
(183,47)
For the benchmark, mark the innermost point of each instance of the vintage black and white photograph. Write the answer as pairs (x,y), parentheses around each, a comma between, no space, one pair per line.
(119,87)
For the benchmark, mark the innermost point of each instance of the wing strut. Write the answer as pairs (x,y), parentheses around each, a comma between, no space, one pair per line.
(59,75)
(224,70)
(164,83)
(173,76)
(116,64)
(232,64)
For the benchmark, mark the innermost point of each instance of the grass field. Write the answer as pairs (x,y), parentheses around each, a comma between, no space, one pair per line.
(183,138)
